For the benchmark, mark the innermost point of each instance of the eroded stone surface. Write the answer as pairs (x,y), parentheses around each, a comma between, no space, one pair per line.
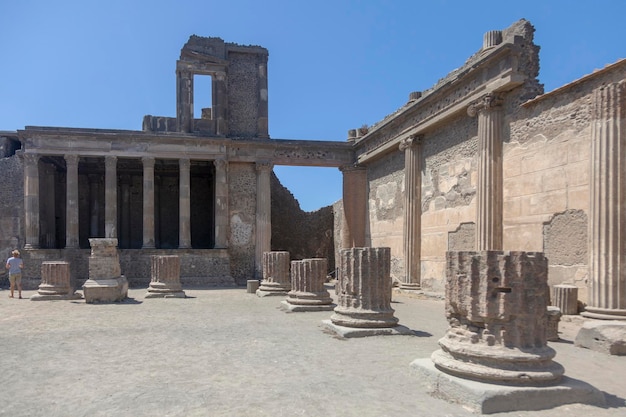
(105,283)
(603,336)
(276,278)
(165,281)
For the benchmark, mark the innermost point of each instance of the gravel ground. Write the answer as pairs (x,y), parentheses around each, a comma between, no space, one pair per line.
(224,352)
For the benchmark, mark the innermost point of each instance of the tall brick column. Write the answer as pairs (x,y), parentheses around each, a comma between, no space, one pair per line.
(184,100)
(71,222)
(220,105)
(110,196)
(412,148)
(489,188)
(148,202)
(184,214)
(607,254)
(263,215)
(307,286)
(276,278)
(31,200)
(354,206)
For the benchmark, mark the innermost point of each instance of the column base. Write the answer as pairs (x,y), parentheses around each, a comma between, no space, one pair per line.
(604,313)
(105,290)
(52,297)
(348,332)
(165,294)
(481,397)
(410,286)
(287,306)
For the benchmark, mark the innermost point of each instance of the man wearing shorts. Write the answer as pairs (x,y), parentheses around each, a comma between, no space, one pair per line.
(15,265)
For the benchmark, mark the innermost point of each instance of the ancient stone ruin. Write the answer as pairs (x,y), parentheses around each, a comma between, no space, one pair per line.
(307,286)
(106,282)
(55,282)
(165,281)
(276,278)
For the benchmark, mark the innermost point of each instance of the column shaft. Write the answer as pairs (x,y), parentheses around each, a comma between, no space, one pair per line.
(412,212)
(263,215)
(184,215)
(71,223)
(184,101)
(221,203)
(148,202)
(31,200)
(110,196)
(94,205)
(354,206)
(607,266)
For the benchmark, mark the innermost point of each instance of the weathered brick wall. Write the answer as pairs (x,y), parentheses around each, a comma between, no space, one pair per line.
(11,209)
(243,94)
(303,234)
(242,197)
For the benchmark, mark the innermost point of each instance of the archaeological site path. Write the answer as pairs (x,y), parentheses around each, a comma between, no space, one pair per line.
(224,352)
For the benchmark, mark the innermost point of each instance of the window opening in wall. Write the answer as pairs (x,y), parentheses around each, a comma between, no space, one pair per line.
(202,96)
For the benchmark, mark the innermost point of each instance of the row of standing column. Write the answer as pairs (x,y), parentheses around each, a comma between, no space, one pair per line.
(31,202)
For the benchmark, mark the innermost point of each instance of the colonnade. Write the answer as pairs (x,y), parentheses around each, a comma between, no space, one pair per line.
(111,229)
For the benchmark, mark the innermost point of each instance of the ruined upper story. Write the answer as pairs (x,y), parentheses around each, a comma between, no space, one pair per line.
(239,98)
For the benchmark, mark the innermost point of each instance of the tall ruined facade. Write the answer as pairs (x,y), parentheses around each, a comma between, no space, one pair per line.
(484,160)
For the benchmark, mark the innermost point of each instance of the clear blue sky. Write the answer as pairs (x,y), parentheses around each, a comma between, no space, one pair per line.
(334,65)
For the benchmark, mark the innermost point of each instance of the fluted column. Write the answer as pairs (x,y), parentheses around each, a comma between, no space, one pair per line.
(184,215)
(47,218)
(55,282)
(412,148)
(276,278)
(221,203)
(148,202)
(110,196)
(354,206)
(307,286)
(165,277)
(71,222)
(607,266)
(31,200)
(489,187)
(184,101)
(263,215)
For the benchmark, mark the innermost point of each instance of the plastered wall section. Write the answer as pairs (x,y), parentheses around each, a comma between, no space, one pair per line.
(242,202)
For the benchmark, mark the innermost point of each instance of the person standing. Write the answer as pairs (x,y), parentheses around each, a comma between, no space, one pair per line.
(15,265)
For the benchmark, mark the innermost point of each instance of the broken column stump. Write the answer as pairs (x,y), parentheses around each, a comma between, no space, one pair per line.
(276,279)
(55,282)
(165,277)
(565,297)
(105,283)
(364,295)
(307,286)
(494,356)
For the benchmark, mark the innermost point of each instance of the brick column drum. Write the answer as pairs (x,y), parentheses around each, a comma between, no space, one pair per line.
(307,286)
(165,277)
(276,279)
(364,295)
(105,283)
(55,282)
(565,297)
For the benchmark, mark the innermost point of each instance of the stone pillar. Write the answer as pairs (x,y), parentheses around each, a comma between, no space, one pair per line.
(148,202)
(94,205)
(263,216)
(110,196)
(105,283)
(262,120)
(276,279)
(607,263)
(364,295)
(565,297)
(55,282)
(165,277)
(496,305)
(354,206)
(47,207)
(71,222)
(124,232)
(412,212)
(307,286)
(31,200)
(184,215)
(489,187)
(221,203)
(220,104)
(553,317)
(184,101)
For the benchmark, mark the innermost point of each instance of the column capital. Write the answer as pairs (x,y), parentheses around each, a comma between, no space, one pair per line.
(410,142)
(31,158)
(71,159)
(184,163)
(148,161)
(264,166)
(220,163)
(487,102)
(110,161)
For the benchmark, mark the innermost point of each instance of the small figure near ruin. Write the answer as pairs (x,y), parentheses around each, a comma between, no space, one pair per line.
(276,279)
(15,264)
(165,277)
(364,295)
(307,286)
(106,282)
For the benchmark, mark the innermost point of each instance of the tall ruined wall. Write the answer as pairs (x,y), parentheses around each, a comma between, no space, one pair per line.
(242,197)
(243,87)
(546,178)
(11,209)
(302,234)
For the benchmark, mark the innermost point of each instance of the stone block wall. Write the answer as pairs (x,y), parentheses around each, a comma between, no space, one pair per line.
(11,210)
(242,197)
(243,97)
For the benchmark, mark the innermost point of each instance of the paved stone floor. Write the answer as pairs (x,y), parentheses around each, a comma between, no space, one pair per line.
(224,352)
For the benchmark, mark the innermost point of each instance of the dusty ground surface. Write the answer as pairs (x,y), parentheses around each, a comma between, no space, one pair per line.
(224,352)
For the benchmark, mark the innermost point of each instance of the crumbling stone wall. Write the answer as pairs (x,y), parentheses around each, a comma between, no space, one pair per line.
(242,197)
(11,209)
(243,96)
(303,234)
